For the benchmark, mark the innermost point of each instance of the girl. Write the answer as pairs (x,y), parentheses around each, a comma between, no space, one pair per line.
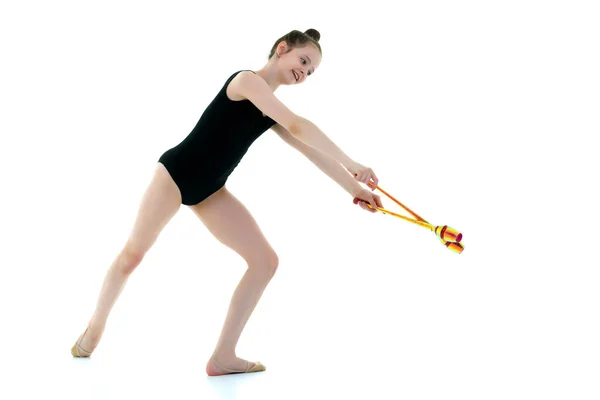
(194,173)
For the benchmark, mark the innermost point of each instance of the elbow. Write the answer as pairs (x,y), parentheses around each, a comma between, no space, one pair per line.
(298,125)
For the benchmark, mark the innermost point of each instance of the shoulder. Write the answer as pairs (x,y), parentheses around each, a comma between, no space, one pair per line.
(241,82)
(247,85)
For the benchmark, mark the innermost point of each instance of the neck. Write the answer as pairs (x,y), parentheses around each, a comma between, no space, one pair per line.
(270,74)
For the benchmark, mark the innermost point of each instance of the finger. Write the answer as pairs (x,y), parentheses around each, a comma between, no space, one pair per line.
(375,179)
(372,184)
(374,205)
(369,183)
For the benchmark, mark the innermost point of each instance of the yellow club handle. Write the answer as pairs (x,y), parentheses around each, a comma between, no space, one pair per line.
(449,237)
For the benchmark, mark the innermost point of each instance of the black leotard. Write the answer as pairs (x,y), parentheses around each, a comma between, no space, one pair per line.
(203,161)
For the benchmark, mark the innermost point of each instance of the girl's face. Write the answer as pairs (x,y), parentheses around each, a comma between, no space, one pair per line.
(298,64)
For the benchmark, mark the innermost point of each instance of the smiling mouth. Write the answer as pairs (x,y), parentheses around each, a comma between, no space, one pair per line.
(295,75)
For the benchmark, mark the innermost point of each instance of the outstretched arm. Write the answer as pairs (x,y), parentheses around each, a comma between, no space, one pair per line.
(255,89)
(325,163)
(310,134)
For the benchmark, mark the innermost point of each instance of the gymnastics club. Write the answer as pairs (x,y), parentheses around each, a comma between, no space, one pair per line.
(448,236)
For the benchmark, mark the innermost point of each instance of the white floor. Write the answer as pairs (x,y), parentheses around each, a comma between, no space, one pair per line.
(412,321)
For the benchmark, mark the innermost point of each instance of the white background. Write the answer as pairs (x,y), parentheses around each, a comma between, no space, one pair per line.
(480,115)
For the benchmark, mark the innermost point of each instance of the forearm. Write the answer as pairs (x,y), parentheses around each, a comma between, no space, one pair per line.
(333,169)
(311,135)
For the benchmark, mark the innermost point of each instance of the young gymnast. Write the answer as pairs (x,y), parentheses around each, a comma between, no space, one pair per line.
(194,173)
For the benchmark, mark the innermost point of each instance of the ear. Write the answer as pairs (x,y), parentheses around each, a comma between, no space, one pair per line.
(282,47)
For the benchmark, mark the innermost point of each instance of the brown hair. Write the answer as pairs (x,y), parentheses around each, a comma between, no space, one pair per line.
(296,39)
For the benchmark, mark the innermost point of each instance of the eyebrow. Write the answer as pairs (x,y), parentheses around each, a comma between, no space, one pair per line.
(313,71)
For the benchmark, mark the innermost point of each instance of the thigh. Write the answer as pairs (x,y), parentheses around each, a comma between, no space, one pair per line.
(233,225)
(158,205)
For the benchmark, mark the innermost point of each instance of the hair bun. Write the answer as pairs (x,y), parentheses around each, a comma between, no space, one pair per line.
(313,33)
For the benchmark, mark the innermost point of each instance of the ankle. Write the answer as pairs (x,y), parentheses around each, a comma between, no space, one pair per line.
(224,355)
(96,324)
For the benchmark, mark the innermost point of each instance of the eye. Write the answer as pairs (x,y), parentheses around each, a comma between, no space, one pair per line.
(304,62)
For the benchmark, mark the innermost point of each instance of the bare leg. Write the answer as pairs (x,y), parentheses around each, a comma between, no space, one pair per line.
(231,223)
(114,282)
(159,204)
(243,302)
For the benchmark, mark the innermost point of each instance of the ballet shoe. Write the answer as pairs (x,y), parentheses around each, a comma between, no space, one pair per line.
(256,368)
(77,350)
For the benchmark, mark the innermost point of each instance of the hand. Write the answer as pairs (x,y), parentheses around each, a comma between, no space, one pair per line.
(363,174)
(363,196)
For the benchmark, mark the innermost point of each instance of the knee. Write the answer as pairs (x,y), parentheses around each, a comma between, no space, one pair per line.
(129,259)
(273,262)
(268,262)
